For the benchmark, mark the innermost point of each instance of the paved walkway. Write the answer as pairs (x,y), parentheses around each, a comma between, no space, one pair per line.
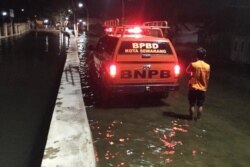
(69,141)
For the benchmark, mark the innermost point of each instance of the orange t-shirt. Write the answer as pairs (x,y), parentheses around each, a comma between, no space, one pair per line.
(200,73)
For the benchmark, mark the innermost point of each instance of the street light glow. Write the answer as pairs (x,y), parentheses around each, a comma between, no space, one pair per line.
(22,10)
(80,5)
(4,13)
(46,21)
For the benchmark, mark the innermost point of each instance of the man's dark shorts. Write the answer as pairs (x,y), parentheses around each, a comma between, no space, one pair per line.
(196,97)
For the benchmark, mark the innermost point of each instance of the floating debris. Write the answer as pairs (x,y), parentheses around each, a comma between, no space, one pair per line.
(169,152)
(194,152)
(168,160)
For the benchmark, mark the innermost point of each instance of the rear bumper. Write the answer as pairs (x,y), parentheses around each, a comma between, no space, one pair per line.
(139,89)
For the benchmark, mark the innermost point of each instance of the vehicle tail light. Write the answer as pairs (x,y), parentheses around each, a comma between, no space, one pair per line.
(177,70)
(112,70)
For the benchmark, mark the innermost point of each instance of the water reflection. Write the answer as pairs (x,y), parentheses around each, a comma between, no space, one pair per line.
(120,145)
(87,90)
(46,44)
(30,74)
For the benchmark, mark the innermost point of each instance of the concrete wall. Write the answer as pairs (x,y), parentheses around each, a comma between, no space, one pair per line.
(186,33)
(69,142)
(240,50)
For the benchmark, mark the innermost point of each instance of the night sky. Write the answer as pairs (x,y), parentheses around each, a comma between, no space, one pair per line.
(134,9)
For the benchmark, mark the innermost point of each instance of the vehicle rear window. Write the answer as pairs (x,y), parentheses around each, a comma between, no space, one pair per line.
(139,47)
(107,43)
(152,32)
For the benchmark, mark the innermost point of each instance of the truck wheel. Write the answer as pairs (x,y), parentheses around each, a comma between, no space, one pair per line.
(105,101)
(103,97)
(161,95)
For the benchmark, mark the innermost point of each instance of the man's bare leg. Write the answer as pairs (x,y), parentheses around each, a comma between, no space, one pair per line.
(200,110)
(192,112)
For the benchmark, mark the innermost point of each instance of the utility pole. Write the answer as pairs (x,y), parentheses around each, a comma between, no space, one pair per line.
(81,5)
(123,12)
(87,10)
(74,17)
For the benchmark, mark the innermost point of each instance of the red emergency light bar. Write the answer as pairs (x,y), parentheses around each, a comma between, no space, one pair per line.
(135,30)
(109,29)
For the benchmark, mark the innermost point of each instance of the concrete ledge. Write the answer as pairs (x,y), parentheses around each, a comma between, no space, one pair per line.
(69,141)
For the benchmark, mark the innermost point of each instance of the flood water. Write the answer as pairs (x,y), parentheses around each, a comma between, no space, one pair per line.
(143,131)
(30,71)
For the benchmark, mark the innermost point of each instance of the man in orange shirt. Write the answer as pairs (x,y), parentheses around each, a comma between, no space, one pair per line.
(199,72)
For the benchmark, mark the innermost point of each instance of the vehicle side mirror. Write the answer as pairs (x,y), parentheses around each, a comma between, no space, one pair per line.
(90,47)
(100,49)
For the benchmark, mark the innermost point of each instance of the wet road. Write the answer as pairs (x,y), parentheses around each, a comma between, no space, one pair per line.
(30,72)
(146,132)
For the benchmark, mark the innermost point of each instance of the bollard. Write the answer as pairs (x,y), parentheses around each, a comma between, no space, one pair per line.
(5,29)
(11,29)
(15,29)
(20,28)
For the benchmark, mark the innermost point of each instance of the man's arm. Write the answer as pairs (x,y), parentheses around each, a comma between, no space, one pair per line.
(208,75)
(189,69)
